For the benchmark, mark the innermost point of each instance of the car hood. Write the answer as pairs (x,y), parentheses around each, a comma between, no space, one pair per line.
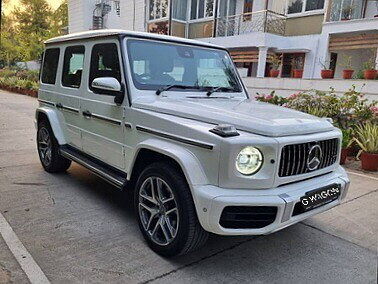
(245,114)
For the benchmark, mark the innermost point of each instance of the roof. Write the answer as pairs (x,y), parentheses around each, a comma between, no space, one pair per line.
(115,32)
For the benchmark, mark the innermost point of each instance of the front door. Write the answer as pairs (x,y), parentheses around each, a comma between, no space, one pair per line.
(102,124)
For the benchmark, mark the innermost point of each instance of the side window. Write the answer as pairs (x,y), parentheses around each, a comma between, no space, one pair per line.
(50,66)
(73,66)
(104,62)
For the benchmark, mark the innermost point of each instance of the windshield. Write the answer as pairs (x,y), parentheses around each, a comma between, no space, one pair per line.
(158,64)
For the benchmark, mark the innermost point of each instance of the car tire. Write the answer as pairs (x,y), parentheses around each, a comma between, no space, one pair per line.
(48,150)
(181,225)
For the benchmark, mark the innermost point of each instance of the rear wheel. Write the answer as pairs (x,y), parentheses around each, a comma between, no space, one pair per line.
(48,150)
(166,212)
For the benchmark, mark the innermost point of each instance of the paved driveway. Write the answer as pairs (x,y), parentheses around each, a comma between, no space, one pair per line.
(75,228)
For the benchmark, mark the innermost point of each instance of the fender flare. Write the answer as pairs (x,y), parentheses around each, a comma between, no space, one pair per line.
(54,121)
(188,162)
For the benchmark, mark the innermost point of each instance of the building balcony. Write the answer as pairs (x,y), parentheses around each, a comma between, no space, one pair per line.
(262,21)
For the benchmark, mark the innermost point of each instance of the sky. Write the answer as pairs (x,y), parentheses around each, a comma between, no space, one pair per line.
(12,3)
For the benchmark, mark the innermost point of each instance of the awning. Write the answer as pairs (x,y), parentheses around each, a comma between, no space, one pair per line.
(350,42)
(247,56)
(293,50)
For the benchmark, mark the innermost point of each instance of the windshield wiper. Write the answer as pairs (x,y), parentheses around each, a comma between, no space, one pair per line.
(222,89)
(168,87)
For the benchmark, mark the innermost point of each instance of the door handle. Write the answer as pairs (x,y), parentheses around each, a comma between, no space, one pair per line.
(59,105)
(87,114)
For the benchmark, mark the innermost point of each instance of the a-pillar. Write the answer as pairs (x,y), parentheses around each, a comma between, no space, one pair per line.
(263,53)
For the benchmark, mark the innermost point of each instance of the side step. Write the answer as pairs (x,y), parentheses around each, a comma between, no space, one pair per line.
(101,169)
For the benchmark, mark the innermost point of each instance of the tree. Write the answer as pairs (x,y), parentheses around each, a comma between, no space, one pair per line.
(10,51)
(33,24)
(61,14)
(25,29)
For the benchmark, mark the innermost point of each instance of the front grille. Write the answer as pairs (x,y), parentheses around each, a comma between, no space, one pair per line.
(247,217)
(294,157)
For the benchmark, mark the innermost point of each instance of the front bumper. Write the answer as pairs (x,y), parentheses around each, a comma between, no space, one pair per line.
(211,200)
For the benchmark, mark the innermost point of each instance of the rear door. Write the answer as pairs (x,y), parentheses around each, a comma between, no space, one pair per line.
(70,90)
(102,128)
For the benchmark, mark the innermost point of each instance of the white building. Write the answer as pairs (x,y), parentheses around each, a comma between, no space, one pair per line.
(308,32)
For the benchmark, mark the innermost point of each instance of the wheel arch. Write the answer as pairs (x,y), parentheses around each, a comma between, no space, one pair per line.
(44,113)
(153,150)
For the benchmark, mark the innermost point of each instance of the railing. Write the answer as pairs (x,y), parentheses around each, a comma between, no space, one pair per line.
(261,21)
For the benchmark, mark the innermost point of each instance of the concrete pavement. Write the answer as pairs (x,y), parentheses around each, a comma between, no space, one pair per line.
(78,228)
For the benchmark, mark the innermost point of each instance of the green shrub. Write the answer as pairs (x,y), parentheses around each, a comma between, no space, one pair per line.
(346,110)
(272,99)
(367,137)
(24,79)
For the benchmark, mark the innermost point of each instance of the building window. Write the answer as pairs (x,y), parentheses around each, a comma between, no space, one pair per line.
(201,9)
(314,5)
(179,9)
(50,65)
(347,9)
(248,6)
(73,66)
(160,27)
(300,6)
(158,9)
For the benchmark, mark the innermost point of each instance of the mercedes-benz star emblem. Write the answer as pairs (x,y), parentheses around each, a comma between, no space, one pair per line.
(314,158)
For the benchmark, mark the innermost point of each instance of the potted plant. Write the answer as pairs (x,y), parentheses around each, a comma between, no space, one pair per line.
(297,64)
(367,139)
(276,61)
(347,64)
(345,147)
(347,12)
(370,73)
(326,73)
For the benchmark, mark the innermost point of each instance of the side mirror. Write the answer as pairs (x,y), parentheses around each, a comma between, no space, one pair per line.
(109,86)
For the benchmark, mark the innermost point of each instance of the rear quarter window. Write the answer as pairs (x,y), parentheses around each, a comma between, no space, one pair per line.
(73,66)
(50,65)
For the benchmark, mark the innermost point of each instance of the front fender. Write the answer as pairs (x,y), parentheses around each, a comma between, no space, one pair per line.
(188,162)
(55,123)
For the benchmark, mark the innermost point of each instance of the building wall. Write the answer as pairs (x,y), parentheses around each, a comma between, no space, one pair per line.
(288,86)
(304,25)
(77,19)
(80,15)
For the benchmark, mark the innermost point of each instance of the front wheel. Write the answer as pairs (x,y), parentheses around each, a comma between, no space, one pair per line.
(166,212)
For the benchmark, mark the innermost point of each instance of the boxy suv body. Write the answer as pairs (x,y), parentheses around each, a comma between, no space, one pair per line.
(170,119)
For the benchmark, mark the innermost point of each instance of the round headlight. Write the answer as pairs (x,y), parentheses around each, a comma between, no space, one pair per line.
(249,160)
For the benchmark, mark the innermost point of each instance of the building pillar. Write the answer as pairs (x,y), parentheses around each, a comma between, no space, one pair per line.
(263,54)
(376,60)
(322,54)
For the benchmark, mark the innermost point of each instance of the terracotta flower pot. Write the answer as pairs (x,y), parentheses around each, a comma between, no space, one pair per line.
(370,74)
(347,74)
(274,73)
(369,162)
(344,154)
(297,73)
(327,74)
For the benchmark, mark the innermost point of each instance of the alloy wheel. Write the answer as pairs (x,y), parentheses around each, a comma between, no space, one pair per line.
(44,146)
(158,211)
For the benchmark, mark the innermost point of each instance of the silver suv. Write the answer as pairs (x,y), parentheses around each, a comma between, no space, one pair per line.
(170,119)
